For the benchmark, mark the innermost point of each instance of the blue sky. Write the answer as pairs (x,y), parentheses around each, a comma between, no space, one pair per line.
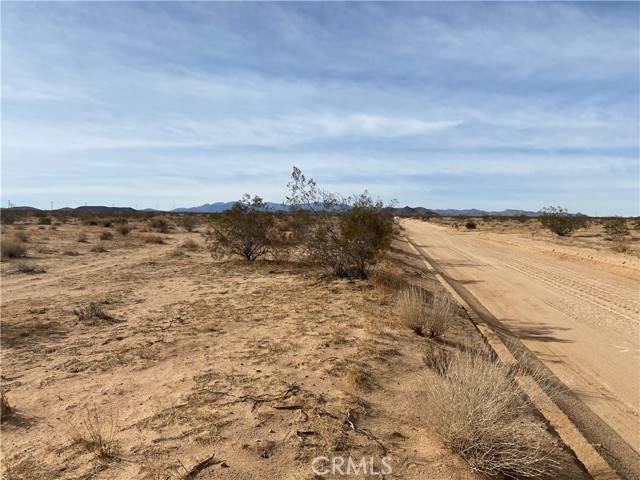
(445,105)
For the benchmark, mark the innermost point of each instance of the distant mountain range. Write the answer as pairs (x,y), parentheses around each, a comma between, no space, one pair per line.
(218,207)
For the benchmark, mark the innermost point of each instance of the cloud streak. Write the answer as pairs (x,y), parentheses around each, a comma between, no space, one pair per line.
(225,97)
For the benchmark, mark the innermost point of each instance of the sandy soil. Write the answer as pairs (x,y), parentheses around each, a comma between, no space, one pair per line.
(577,308)
(203,357)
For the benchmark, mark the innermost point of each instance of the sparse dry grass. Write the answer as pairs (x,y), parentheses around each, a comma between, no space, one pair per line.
(30,268)
(92,313)
(96,431)
(388,280)
(439,315)
(357,379)
(437,359)
(482,415)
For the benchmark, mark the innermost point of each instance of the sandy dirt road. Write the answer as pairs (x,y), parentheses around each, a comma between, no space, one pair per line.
(582,319)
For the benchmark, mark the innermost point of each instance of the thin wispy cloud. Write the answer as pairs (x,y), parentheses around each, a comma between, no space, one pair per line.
(444,105)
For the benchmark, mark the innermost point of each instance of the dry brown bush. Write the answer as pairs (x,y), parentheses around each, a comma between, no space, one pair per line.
(481,414)
(411,304)
(357,379)
(92,313)
(440,313)
(96,431)
(106,235)
(24,267)
(12,249)
(123,230)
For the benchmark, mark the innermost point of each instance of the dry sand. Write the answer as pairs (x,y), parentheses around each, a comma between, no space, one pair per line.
(575,304)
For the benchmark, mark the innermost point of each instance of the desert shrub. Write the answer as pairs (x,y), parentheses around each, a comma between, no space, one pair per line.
(70,253)
(190,244)
(8,217)
(24,267)
(189,222)
(91,313)
(481,414)
(123,230)
(560,222)
(121,221)
(90,221)
(243,230)
(107,223)
(82,237)
(470,225)
(160,225)
(44,220)
(635,224)
(157,239)
(344,235)
(96,431)
(12,249)
(621,245)
(106,235)
(616,228)
(99,248)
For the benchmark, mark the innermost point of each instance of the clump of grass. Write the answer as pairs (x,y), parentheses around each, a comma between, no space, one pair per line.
(411,304)
(30,268)
(12,249)
(190,244)
(160,224)
(106,235)
(427,317)
(157,239)
(99,248)
(92,313)
(123,230)
(96,431)
(5,407)
(481,414)
(82,237)
(357,379)
(437,359)
(388,280)
(440,312)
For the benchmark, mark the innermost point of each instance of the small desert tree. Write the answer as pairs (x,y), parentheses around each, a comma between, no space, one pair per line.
(244,229)
(344,235)
(560,222)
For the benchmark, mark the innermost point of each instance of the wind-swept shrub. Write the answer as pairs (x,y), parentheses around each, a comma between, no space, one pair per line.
(343,235)
(243,230)
(560,222)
